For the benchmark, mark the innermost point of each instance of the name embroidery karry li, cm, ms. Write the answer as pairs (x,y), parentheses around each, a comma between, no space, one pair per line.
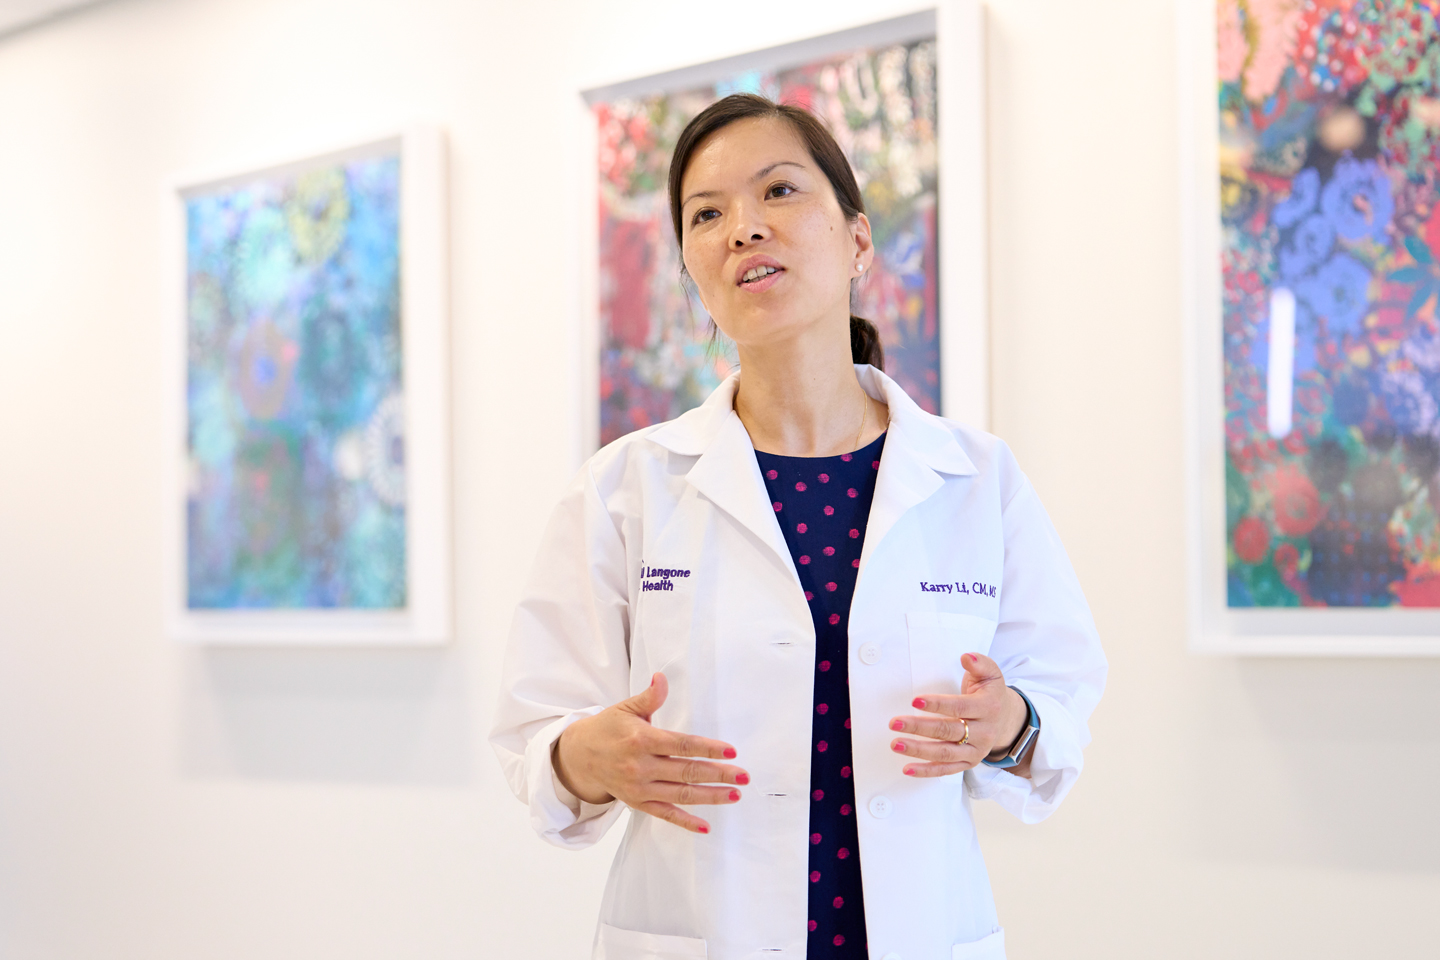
(660,578)
(976,588)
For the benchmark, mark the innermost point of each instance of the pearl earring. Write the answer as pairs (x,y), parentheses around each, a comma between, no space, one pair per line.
(859,267)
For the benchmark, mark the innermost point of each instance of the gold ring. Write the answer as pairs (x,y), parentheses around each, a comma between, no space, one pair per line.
(965,739)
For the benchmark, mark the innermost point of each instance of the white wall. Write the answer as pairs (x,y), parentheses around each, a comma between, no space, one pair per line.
(166,803)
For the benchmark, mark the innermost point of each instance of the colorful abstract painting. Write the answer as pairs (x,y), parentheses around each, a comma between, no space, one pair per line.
(657,358)
(1330,208)
(295,417)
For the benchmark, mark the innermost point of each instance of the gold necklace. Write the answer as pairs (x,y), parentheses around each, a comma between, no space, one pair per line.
(864,409)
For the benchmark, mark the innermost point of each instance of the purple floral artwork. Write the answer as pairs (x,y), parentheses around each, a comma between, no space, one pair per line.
(658,358)
(1330,209)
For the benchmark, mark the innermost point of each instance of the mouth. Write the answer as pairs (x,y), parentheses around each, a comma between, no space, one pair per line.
(757,273)
(760,279)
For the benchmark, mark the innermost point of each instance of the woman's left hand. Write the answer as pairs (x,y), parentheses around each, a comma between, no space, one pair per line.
(993,713)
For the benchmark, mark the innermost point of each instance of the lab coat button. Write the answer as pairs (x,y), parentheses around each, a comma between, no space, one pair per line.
(869,654)
(880,807)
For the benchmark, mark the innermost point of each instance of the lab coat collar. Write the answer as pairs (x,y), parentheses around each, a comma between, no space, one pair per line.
(920,452)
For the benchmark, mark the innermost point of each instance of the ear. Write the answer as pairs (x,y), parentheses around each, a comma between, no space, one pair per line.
(864,243)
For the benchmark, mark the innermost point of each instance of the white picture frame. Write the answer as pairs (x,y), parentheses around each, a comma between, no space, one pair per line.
(959,29)
(426,617)
(1212,626)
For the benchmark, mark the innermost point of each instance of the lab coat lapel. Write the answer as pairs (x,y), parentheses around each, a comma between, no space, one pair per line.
(920,452)
(727,472)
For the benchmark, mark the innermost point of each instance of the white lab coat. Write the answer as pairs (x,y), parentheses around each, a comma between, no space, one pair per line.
(736,642)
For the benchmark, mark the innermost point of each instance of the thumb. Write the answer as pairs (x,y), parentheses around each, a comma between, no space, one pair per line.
(980,669)
(647,701)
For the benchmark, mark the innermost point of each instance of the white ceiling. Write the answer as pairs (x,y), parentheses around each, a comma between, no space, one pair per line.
(15,14)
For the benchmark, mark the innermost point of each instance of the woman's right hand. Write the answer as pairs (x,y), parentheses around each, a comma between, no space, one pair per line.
(618,755)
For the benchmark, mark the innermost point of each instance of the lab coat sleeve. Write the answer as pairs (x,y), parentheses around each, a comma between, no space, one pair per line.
(567,659)
(1047,645)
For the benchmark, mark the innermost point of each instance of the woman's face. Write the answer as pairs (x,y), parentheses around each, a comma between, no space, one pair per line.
(755,205)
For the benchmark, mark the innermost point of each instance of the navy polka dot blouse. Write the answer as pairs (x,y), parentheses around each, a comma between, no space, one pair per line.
(822,504)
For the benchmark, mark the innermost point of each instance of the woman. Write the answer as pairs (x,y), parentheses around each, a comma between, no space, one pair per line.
(808,608)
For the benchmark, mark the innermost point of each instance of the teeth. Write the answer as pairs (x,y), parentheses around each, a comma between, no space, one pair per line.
(756,273)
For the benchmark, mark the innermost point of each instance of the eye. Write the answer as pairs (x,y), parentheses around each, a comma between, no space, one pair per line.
(778,190)
(704,214)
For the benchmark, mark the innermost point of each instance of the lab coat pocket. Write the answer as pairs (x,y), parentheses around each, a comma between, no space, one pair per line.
(986,948)
(618,944)
(938,641)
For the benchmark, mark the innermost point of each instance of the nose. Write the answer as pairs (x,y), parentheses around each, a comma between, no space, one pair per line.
(750,227)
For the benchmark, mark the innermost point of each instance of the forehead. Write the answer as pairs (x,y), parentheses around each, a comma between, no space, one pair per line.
(738,150)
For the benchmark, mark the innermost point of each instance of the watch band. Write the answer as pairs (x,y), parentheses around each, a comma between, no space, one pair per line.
(1022,742)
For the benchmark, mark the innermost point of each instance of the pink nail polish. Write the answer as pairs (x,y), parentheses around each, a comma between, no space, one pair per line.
(704,829)
(897,724)
(898,747)
(742,778)
(909,771)
(729,753)
(918,703)
(734,795)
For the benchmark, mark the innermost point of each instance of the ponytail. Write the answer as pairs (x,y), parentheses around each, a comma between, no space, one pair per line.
(865,343)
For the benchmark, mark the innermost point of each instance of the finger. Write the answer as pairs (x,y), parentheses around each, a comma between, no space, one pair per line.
(967,705)
(647,701)
(981,669)
(698,771)
(938,728)
(924,770)
(689,793)
(668,743)
(936,751)
(673,814)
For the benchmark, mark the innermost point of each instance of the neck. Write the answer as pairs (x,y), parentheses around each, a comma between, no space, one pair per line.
(802,399)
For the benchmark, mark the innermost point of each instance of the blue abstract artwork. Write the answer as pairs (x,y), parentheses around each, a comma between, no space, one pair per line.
(295,425)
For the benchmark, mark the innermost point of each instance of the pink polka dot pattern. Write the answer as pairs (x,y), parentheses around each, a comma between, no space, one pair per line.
(778,506)
(827,568)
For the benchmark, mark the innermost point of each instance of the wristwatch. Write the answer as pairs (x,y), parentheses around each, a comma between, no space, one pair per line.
(1022,742)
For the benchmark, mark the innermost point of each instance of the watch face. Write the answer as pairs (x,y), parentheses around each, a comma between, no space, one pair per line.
(1024,744)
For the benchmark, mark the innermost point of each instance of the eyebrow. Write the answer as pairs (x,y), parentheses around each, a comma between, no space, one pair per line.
(758,176)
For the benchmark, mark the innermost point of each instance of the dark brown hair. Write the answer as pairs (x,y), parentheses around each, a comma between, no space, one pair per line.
(864,338)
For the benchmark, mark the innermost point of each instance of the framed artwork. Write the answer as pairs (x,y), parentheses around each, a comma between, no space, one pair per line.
(1312,224)
(904,99)
(309,428)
